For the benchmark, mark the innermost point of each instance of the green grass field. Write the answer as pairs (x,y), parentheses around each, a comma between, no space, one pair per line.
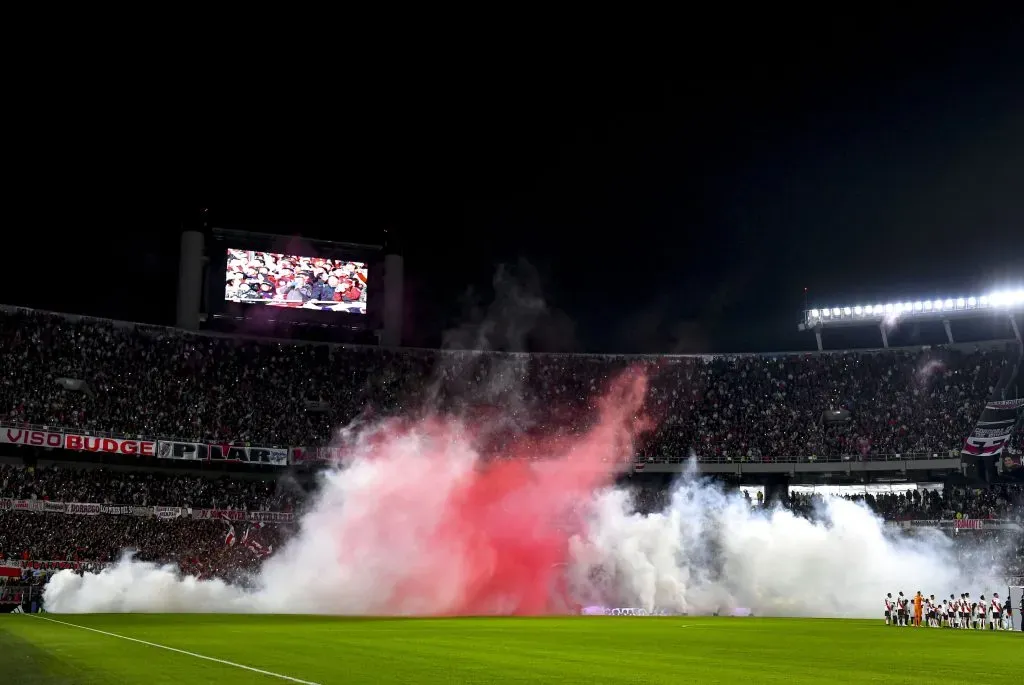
(494,650)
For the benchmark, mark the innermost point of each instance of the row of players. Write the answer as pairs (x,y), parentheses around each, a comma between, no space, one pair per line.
(949,613)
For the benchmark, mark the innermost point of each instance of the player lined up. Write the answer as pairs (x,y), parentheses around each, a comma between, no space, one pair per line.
(961,613)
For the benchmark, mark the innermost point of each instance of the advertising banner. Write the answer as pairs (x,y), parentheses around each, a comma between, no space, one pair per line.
(32,438)
(55,507)
(88,443)
(6,504)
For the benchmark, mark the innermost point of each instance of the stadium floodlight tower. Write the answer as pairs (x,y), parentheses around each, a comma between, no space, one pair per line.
(885,315)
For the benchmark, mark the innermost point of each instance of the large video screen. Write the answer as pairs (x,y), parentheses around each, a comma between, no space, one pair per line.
(284,280)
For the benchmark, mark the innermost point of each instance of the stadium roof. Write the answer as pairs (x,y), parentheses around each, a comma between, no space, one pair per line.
(889,314)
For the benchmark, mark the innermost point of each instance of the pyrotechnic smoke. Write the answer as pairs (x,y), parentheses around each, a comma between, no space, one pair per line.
(418,522)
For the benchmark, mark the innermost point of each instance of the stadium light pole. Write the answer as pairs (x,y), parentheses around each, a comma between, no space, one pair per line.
(885,315)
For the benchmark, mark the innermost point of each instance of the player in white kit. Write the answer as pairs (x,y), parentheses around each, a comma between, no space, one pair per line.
(995,614)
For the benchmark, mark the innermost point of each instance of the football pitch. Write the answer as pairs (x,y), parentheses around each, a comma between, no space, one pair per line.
(223,649)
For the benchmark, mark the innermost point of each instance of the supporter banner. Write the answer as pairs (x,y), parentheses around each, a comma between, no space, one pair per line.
(88,443)
(167,512)
(969,524)
(33,438)
(248,455)
(305,455)
(178,450)
(58,565)
(93,509)
(271,516)
(961,524)
(239,515)
(223,514)
(197,451)
(1007,404)
(994,429)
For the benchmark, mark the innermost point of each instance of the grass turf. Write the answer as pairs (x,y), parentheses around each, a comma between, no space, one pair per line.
(497,650)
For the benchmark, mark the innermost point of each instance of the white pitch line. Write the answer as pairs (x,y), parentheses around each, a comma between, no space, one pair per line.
(179,651)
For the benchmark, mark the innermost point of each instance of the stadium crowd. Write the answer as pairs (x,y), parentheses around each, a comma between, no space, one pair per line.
(144,488)
(163,383)
(199,547)
(114,378)
(1000,502)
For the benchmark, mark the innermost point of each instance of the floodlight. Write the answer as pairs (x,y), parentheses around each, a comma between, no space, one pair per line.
(928,306)
(918,306)
(949,304)
(847,311)
(1018,296)
(877,309)
(814,313)
(888,308)
(906,306)
(961,303)
(938,305)
(972,302)
(858,310)
(984,300)
(835,311)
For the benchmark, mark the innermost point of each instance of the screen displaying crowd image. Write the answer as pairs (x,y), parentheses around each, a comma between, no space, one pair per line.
(281,280)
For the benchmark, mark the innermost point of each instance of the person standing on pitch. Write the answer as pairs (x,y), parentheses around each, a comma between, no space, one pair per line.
(918,601)
(995,613)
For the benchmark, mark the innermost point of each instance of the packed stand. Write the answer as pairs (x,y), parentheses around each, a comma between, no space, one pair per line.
(163,383)
(198,547)
(146,488)
(209,548)
(998,502)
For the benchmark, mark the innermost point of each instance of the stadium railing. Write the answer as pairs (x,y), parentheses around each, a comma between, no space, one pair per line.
(808,459)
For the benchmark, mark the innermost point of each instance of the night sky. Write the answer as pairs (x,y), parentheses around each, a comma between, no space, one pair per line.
(672,204)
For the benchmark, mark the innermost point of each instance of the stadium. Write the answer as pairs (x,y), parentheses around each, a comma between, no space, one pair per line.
(705,369)
(602,513)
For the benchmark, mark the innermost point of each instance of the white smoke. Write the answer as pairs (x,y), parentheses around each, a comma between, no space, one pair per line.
(707,551)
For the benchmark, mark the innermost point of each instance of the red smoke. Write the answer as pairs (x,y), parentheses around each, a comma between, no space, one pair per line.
(498,541)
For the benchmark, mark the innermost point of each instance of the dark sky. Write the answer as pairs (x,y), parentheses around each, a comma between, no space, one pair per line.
(672,203)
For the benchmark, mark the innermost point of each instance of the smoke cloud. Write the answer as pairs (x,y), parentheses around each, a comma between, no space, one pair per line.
(418,521)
